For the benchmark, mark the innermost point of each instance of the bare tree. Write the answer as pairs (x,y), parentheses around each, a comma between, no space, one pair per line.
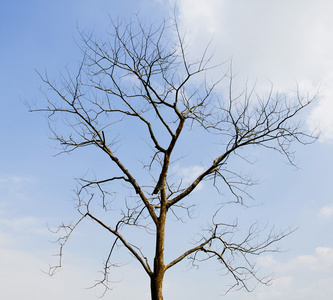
(141,80)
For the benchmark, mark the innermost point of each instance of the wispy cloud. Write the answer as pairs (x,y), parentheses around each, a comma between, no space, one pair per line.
(303,277)
(280,41)
(320,261)
(326,211)
(14,179)
(21,232)
(188,174)
(14,188)
(23,277)
(23,224)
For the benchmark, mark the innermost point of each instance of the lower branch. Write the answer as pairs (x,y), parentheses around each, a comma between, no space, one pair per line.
(143,262)
(217,246)
(62,241)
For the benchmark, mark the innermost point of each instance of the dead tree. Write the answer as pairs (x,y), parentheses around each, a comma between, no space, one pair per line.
(141,80)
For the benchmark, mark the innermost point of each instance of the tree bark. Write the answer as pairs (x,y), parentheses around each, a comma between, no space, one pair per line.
(156,282)
(156,279)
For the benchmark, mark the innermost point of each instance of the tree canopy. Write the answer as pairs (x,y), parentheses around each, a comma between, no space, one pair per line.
(141,99)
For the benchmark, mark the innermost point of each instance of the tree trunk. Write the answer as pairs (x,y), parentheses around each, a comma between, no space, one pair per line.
(156,279)
(156,283)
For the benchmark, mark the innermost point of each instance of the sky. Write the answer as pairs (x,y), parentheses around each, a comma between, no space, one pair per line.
(284,43)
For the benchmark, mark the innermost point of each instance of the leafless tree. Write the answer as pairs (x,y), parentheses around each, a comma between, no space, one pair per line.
(141,81)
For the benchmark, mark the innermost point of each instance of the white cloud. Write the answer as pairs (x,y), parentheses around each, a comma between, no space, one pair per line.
(290,288)
(20,224)
(26,232)
(188,174)
(321,115)
(16,231)
(281,41)
(15,181)
(304,277)
(326,211)
(280,288)
(14,189)
(22,277)
(320,261)
(321,289)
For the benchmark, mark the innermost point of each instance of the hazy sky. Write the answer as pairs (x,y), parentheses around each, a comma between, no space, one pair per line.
(281,42)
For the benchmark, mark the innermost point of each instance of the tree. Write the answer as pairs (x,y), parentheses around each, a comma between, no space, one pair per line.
(141,78)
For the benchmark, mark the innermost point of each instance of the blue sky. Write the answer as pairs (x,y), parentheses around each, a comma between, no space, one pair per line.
(279,41)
